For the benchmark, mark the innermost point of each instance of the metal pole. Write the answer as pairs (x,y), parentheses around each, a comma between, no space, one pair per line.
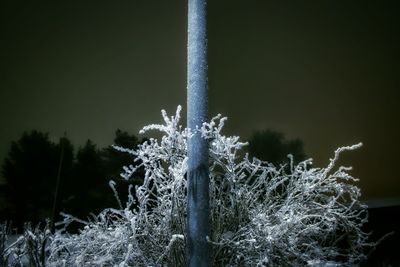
(54,210)
(198,210)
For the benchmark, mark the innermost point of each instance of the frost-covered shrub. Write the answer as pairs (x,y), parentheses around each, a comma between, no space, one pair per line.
(5,232)
(29,249)
(260,214)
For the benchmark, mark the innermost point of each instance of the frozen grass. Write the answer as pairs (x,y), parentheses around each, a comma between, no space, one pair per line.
(261,215)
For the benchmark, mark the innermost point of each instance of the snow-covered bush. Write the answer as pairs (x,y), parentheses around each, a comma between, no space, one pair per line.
(5,232)
(29,249)
(261,215)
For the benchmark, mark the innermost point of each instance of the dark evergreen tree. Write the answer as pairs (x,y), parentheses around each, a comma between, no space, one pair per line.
(30,170)
(34,164)
(85,191)
(66,162)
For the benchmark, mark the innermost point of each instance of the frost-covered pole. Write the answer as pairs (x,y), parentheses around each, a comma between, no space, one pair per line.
(198,224)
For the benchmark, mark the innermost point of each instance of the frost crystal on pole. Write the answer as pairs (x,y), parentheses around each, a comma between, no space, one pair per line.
(198,209)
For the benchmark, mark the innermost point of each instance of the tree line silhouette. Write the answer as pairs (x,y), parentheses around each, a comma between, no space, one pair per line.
(34,163)
(44,178)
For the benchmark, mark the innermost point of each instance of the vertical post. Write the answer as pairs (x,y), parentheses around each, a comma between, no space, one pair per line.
(55,201)
(198,210)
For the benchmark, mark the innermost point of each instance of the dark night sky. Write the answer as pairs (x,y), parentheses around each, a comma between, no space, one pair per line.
(324,71)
